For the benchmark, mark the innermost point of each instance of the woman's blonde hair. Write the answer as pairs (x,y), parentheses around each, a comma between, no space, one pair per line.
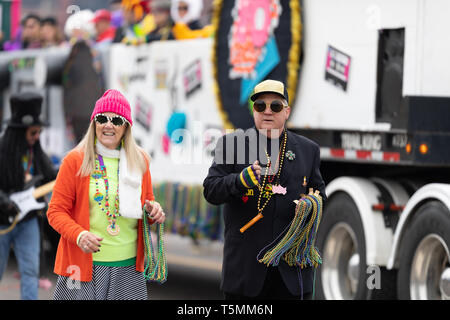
(136,156)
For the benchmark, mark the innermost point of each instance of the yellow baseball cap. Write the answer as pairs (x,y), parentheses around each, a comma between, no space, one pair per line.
(270,86)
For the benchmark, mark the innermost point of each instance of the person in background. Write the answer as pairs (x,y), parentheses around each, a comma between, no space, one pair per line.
(163,22)
(187,12)
(105,34)
(137,22)
(116,13)
(104,30)
(31,32)
(79,27)
(51,36)
(15,43)
(22,162)
(102,194)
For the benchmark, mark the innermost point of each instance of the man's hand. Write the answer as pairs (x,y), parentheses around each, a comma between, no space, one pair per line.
(257,169)
(251,176)
(154,211)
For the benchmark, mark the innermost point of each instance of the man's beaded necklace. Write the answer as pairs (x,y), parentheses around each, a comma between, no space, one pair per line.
(100,172)
(263,185)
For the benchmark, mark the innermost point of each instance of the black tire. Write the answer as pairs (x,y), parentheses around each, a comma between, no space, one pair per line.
(341,208)
(431,218)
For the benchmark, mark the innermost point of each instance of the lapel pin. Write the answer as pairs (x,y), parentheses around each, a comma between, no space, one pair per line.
(290,155)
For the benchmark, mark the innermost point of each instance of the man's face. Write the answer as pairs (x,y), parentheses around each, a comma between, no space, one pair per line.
(31,30)
(32,135)
(268,119)
(101,26)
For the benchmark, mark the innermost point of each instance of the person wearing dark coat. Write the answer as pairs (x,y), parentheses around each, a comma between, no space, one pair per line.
(23,164)
(163,22)
(262,170)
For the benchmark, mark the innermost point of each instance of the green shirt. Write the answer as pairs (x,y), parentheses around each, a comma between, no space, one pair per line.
(113,248)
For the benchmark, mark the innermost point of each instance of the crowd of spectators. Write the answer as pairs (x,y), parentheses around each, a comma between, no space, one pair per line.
(35,32)
(125,21)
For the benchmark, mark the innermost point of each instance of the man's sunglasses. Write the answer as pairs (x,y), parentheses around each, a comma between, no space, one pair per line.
(260,106)
(118,121)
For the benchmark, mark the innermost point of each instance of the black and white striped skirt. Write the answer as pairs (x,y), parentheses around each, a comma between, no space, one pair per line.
(108,283)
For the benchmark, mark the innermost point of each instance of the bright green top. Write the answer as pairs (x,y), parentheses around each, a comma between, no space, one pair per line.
(113,248)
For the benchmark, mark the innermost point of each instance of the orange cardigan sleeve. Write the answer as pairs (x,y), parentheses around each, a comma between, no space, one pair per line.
(61,208)
(149,188)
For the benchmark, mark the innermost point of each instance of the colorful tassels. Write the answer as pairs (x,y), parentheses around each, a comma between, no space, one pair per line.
(156,266)
(297,245)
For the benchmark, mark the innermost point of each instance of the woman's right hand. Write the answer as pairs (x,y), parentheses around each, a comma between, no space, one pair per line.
(89,242)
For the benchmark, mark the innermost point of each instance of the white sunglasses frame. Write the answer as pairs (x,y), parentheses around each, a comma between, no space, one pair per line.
(125,121)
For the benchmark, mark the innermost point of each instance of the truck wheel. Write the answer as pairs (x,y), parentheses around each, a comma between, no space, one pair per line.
(340,239)
(344,274)
(424,267)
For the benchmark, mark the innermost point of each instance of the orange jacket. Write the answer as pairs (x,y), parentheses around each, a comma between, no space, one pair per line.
(68,214)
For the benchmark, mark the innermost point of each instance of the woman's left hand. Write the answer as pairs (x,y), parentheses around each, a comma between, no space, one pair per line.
(154,211)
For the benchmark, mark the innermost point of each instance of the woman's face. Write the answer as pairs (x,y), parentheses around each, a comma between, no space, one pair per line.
(183,8)
(108,134)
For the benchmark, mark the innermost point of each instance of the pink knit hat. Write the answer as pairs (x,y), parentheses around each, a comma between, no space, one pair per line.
(113,101)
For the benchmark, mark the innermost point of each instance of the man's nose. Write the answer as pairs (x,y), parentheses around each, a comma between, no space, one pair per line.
(267,110)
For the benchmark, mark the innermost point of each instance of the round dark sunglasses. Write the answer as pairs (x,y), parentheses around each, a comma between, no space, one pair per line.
(115,120)
(260,106)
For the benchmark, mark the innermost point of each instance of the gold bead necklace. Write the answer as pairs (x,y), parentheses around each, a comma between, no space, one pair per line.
(262,187)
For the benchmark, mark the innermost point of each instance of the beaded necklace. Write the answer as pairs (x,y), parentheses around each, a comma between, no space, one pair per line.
(27,160)
(270,178)
(100,172)
(156,264)
(263,186)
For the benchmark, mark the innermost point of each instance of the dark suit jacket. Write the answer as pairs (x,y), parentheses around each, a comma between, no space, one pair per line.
(241,272)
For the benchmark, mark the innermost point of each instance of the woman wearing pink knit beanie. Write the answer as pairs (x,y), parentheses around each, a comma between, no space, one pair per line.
(102,205)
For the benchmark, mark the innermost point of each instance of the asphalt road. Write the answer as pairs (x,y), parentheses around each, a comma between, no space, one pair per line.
(187,283)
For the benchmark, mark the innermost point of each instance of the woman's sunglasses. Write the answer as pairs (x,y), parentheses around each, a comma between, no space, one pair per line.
(118,121)
(260,106)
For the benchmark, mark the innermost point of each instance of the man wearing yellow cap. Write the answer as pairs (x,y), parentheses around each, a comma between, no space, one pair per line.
(260,172)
